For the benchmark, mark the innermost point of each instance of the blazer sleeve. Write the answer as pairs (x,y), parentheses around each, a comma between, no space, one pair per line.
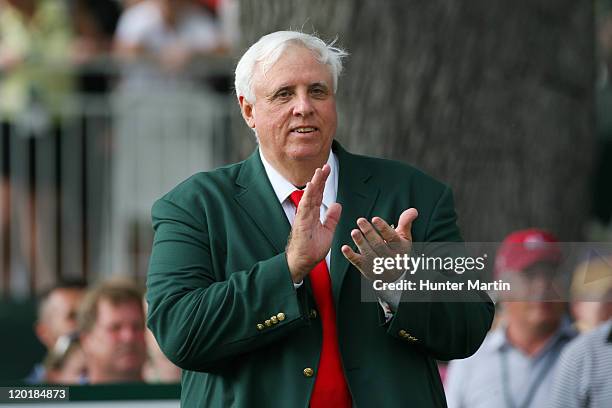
(445,329)
(201,320)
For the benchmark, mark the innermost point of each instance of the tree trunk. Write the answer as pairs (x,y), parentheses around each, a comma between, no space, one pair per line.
(493,98)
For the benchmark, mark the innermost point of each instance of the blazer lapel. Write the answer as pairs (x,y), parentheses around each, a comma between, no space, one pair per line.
(357,195)
(259,202)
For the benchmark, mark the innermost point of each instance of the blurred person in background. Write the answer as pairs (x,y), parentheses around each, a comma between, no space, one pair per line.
(514,366)
(227,13)
(583,378)
(158,369)
(95,22)
(165,106)
(35,45)
(591,293)
(57,317)
(66,364)
(35,90)
(157,40)
(111,327)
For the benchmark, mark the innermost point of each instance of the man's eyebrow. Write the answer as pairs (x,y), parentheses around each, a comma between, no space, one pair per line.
(280,88)
(288,87)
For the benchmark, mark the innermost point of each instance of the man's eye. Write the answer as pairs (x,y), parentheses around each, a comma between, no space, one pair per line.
(283,94)
(318,92)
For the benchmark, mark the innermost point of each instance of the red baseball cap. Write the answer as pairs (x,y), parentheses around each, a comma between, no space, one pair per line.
(521,249)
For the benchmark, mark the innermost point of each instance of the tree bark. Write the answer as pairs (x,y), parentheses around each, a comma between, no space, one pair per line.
(493,98)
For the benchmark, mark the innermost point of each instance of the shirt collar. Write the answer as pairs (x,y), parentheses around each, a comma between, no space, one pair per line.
(283,188)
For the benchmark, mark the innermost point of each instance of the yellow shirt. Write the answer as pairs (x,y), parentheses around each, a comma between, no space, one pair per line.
(43,44)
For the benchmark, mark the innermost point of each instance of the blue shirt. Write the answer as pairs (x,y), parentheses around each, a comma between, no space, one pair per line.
(479,381)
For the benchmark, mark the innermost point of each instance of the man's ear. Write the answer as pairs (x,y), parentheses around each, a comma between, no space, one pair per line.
(247,109)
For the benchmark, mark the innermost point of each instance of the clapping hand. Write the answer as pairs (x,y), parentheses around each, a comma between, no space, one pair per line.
(380,240)
(310,240)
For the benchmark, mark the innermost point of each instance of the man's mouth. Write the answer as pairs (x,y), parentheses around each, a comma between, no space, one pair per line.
(304,129)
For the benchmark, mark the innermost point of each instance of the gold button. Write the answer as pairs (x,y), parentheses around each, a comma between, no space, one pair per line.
(308,372)
(403,333)
(313,314)
(268,323)
(281,316)
(260,326)
(274,320)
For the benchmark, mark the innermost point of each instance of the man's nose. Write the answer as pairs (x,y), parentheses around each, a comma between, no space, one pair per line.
(303,105)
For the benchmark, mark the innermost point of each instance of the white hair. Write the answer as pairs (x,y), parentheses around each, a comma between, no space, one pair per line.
(269,48)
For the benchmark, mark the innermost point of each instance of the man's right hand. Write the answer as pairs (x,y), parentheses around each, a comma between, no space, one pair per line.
(310,240)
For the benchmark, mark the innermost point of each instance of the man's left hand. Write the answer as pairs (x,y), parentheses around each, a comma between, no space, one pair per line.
(379,240)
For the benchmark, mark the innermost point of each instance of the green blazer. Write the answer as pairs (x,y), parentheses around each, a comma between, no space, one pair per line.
(218,271)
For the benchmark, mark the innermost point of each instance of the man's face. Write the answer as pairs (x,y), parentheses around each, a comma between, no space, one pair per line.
(590,314)
(115,344)
(541,316)
(59,315)
(534,290)
(295,110)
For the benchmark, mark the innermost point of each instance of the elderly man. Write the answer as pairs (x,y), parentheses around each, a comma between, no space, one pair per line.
(112,327)
(252,287)
(514,366)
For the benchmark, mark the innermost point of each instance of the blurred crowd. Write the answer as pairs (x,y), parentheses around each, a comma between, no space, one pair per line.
(93,93)
(50,49)
(98,335)
(551,342)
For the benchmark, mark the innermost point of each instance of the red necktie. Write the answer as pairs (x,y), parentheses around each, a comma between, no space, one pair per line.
(330,387)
